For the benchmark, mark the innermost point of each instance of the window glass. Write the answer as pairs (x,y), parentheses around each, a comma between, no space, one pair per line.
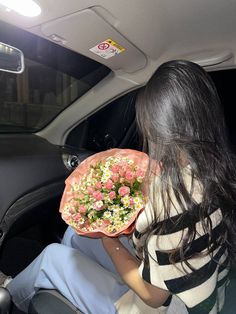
(54,77)
(110,127)
(224,81)
(114,125)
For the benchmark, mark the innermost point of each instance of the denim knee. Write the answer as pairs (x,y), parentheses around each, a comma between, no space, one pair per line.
(52,249)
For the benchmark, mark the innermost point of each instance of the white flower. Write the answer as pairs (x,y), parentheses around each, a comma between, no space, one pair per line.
(118,224)
(81,221)
(83,188)
(138,203)
(115,208)
(125,198)
(130,161)
(93,181)
(121,211)
(127,218)
(126,204)
(102,168)
(75,186)
(137,200)
(99,222)
(126,201)
(116,215)
(67,207)
(107,214)
(107,164)
(91,214)
(111,229)
(106,198)
(98,204)
(106,175)
(138,206)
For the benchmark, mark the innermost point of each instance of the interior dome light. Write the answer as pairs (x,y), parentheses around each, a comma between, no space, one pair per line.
(23,7)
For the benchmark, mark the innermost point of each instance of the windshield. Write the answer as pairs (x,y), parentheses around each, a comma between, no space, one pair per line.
(54,77)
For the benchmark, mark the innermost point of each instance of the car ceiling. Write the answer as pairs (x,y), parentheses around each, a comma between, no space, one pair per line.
(151,31)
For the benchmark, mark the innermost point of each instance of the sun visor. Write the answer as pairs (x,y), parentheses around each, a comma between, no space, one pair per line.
(89,34)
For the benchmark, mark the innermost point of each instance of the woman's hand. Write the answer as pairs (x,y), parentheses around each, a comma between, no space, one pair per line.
(127,267)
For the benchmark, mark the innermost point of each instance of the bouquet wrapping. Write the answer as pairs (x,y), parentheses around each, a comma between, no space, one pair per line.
(105,193)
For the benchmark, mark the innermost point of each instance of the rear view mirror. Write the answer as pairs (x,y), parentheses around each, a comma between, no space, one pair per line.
(11,59)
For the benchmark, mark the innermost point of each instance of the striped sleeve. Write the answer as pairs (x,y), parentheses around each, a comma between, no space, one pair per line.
(198,289)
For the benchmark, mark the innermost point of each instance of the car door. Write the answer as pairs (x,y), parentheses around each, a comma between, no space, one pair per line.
(33,170)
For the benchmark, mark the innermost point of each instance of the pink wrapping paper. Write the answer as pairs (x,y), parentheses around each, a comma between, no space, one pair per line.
(140,159)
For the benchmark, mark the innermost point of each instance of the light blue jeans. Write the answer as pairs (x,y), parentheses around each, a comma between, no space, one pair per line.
(79,268)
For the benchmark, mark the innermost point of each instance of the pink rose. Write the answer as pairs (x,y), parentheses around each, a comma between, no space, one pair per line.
(82,209)
(109,185)
(115,177)
(127,168)
(140,173)
(90,190)
(129,175)
(124,190)
(66,216)
(98,185)
(77,217)
(121,172)
(97,195)
(80,196)
(131,201)
(72,210)
(122,163)
(115,169)
(112,195)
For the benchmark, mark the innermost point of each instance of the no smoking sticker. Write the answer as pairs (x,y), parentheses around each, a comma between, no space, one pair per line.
(103,46)
(107,49)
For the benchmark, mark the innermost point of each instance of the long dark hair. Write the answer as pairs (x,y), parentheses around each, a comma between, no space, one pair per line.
(180,118)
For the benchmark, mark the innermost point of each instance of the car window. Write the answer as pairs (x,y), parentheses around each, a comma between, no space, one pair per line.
(112,126)
(224,81)
(54,77)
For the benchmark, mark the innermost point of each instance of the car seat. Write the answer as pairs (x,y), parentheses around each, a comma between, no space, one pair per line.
(51,302)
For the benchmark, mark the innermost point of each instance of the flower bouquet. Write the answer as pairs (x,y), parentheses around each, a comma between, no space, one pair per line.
(104,194)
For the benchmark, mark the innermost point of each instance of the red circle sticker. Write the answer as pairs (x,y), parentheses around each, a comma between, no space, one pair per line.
(103,46)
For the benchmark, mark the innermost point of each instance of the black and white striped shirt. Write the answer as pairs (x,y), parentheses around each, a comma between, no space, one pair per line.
(202,290)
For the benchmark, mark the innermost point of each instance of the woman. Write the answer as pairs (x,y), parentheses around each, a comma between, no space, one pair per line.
(184,240)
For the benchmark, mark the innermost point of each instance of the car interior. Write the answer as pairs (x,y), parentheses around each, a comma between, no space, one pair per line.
(84,62)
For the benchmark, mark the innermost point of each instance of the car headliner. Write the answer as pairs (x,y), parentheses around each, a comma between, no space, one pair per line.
(151,31)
